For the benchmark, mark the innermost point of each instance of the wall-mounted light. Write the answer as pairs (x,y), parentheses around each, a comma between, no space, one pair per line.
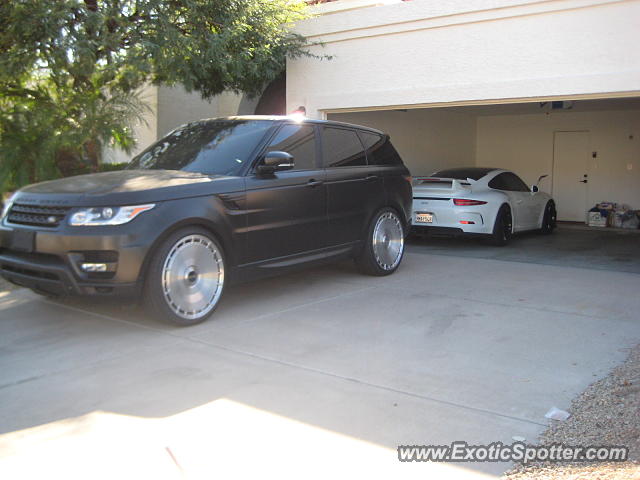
(298,114)
(300,111)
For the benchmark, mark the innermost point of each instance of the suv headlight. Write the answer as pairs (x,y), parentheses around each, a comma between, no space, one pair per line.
(7,207)
(92,217)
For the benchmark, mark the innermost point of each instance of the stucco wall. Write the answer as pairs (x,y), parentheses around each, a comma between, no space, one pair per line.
(427,140)
(524,143)
(176,107)
(428,52)
(170,107)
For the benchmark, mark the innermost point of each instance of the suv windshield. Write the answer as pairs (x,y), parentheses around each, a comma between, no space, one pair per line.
(211,147)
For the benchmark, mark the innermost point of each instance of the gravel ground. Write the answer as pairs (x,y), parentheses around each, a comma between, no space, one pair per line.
(606,413)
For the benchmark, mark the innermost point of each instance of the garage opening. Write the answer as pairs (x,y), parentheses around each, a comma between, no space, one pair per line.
(590,150)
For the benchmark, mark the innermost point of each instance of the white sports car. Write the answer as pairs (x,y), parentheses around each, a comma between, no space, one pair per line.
(480,201)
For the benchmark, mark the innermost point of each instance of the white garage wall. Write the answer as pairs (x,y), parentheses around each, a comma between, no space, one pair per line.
(524,143)
(427,140)
(429,52)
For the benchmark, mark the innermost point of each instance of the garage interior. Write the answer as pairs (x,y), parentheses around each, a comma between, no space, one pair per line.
(590,150)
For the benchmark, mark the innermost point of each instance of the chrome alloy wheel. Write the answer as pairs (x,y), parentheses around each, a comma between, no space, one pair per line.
(388,241)
(193,277)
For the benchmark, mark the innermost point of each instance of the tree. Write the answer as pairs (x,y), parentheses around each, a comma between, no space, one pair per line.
(71,70)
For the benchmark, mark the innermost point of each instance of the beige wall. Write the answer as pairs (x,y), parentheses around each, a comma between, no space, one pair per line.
(427,52)
(427,140)
(524,144)
(176,107)
(170,107)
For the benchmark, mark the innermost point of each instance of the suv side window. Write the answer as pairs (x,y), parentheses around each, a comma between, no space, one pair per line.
(342,148)
(380,151)
(299,141)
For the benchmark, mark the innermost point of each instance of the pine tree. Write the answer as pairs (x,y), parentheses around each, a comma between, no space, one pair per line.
(71,70)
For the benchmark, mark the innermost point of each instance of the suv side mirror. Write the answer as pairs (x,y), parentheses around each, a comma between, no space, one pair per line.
(275,161)
(534,189)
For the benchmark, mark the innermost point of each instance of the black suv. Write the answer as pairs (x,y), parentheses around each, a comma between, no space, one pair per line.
(212,202)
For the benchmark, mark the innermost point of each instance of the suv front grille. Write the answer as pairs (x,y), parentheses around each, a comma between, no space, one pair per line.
(39,216)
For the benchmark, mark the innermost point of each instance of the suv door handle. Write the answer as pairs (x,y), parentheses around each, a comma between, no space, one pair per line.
(583,181)
(371,178)
(314,183)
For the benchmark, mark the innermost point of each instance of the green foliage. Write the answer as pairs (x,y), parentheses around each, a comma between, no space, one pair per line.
(71,70)
(41,138)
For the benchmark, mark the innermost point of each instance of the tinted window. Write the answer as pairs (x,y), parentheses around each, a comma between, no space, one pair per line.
(515,183)
(473,173)
(509,182)
(209,147)
(342,148)
(299,141)
(379,150)
(498,182)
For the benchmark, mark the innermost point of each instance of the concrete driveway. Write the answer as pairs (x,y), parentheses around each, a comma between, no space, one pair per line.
(324,372)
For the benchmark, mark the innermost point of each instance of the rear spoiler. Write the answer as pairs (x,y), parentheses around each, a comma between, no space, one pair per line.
(455,183)
(462,184)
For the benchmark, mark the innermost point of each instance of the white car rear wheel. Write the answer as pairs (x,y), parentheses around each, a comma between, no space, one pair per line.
(503,227)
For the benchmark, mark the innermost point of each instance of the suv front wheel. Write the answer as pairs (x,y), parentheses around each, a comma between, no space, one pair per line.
(383,245)
(186,277)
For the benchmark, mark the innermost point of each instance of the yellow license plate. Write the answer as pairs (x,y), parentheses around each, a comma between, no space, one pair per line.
(424,217)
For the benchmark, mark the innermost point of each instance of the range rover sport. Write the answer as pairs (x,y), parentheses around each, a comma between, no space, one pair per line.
(215,201)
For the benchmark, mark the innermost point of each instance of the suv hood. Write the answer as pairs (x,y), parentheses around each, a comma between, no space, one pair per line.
(126,187)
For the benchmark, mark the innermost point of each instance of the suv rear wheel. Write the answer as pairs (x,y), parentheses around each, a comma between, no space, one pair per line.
(185,279)
(383,246)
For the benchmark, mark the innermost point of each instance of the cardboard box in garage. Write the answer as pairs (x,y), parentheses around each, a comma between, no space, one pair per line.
(596,219)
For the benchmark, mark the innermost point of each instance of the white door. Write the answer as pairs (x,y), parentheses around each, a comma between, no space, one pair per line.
(570,181)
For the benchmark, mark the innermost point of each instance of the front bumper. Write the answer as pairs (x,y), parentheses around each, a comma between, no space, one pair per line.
(52,263)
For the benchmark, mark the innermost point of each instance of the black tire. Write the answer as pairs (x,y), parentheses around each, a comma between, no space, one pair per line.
(383,246)
(502,228)
(549,219)
(176,274)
